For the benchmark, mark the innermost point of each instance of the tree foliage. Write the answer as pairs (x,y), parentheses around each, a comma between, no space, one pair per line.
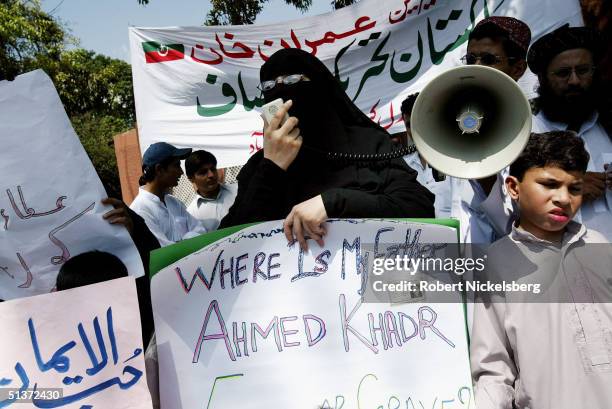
(236,12)
(98,96)
(338,4)
(90,82)
(28,37)
(96,134)
(96,90)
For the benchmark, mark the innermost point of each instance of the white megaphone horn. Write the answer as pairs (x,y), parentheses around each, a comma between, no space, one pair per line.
(471,122)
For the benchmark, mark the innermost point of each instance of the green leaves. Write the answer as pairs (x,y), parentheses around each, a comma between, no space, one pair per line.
(238,12)
(235,12)
(96,90)
(338,4)
(87,81)
(226,12)
(98,96)
(96,133)
(27,33)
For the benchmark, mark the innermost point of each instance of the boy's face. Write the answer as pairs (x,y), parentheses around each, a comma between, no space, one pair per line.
(548,199)
(206,179)
(169,176)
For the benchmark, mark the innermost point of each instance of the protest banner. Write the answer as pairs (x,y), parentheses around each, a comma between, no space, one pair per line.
(53,355)
(248,321)
(197,86)
(49,192)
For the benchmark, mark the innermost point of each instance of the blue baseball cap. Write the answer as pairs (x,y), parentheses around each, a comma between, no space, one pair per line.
(160,151)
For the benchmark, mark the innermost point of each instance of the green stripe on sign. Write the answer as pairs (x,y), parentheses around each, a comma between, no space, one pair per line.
(152,46)
(163,257)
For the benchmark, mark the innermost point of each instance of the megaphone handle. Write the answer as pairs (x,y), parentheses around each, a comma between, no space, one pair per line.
(364,157)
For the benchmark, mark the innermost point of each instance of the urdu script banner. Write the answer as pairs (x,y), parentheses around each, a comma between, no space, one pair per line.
(197,86)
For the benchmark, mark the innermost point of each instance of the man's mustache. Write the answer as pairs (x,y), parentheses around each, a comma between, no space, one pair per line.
(575,89)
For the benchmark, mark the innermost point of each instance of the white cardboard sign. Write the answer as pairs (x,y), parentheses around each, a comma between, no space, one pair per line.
(53,355)
(49,192)
(250,322)
(198,86)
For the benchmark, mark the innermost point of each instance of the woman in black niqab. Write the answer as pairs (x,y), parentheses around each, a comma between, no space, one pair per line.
(329,176)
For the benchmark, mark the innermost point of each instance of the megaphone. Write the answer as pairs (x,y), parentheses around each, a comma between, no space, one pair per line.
(471,122)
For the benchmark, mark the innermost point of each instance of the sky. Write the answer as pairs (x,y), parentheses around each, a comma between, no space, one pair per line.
(102,25)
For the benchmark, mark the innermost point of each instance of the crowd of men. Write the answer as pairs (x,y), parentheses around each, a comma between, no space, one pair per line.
(526,209)
(569,98)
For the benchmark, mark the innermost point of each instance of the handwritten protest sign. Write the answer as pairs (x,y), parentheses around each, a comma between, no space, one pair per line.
(49,192)
(250,322)
(53,355)
(197,86)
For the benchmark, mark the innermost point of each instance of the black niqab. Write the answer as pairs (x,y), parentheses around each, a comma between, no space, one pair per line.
(329,122)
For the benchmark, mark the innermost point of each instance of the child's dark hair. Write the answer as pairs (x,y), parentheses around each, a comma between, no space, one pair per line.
(196,160)
(513,51)
(148,172)
(89,268)
(563,149)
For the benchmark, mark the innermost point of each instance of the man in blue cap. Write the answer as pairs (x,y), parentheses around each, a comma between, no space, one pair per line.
(164,214)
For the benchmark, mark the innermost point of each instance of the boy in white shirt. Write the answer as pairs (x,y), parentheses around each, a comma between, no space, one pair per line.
(550,347)
(213,199)
(164,214)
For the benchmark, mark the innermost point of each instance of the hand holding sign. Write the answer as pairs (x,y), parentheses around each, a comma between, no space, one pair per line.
(119,215)
(247,314)
(306,218)
(52,212)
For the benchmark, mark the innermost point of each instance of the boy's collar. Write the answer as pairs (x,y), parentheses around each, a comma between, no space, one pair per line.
(574,231)
(211,199)
(150,195)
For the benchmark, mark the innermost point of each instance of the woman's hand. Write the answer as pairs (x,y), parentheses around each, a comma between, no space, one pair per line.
(282,143)
(306,219)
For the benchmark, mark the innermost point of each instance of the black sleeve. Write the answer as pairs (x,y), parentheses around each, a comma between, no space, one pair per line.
(402,196)
(145,242)
(262,189)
